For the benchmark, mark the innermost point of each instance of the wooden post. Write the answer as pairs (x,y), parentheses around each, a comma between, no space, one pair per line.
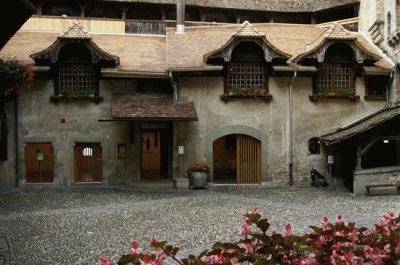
(358,164)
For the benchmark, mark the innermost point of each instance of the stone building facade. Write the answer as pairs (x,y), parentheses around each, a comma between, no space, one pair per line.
(250,100)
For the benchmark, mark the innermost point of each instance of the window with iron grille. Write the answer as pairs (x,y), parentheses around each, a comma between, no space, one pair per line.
(246,78)
(335,79)
(246,72)
(78,78)
(335,76)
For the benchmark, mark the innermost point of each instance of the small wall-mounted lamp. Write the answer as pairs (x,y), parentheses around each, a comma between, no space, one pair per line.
(385,141)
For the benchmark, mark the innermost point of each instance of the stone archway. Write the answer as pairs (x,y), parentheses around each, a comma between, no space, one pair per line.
(257,134)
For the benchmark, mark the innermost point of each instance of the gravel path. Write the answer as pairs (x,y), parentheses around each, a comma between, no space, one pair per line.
(80,225)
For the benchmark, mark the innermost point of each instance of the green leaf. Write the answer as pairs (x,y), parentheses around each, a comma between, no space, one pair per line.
(316,229)
(253,217)
(160,244)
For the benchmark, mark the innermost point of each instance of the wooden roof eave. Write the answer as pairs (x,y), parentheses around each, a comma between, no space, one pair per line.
(298,57)
(219,52)
(49,55)
(360,126)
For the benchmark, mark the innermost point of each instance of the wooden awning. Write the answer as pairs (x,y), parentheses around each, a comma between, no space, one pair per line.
(373,70)
(151,107)
(361,125)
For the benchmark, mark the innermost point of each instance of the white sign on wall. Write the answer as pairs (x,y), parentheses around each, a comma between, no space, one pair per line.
(181,150)
(330,159)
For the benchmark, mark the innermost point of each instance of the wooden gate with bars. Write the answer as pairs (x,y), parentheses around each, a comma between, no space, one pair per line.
(248,160)
(88,162)
(39,163)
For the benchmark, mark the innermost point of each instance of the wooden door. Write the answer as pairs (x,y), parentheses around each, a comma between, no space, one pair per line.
(151,155)
(248,157)
(88,162)
(39,163)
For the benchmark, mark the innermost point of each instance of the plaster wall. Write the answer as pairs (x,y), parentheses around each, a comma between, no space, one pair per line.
(268,122)
(40,122)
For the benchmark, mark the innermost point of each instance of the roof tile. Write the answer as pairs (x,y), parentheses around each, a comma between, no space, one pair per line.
(151,107)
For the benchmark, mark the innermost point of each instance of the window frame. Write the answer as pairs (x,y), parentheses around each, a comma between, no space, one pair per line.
(246,75)
(333,89)
(77,75)
(370,86)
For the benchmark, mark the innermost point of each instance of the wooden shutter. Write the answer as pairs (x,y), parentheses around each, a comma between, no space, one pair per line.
(248,160)
(39,163)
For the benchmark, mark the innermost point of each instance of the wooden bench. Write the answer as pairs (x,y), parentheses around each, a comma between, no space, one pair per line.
(368,187)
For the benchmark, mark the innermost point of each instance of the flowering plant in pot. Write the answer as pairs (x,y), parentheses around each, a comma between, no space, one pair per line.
(198,168)
(198,175)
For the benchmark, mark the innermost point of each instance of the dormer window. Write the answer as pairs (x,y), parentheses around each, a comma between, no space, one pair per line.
(335,73)
(77,75)
(246,72)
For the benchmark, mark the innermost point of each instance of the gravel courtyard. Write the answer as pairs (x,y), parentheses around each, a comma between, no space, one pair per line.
(79,225)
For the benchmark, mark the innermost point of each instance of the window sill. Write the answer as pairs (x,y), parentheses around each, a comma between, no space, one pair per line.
(375,98)
(227,97)
(315,98)
(95,99)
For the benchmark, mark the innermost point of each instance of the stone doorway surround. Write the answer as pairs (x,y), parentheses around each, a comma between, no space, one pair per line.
(245,130)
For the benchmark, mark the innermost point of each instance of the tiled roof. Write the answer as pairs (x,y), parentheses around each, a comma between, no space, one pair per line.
(335,31)
(76,31)
(187,50)
(247,30)
(156,54)
(361,126)
(151,107)
(260,5)
(140,53)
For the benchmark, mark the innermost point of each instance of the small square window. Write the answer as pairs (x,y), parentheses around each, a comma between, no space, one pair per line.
(314,146)
(376,85)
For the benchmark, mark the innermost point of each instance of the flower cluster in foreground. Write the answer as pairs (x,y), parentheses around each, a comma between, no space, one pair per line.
(330,243)
(13,72)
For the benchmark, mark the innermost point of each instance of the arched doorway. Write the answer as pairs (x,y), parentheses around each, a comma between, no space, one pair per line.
(237,160)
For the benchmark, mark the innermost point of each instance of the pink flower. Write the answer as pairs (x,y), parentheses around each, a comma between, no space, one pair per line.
(245,230)
(288,230)
(254,211)
(368,232)
(234,260)
(147,258)
(105,261)
(339,221)
(153,243)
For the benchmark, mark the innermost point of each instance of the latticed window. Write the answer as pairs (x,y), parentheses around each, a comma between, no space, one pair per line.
(335,78)
(335,74)
(77,75)
(246,76)
(77,78)
(246,72)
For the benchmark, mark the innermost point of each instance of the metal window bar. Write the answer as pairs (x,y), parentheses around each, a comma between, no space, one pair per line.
(245,76)
(77,78)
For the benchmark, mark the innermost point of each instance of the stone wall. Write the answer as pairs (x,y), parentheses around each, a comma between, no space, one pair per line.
(40,122)
(381,175)
(268,122)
